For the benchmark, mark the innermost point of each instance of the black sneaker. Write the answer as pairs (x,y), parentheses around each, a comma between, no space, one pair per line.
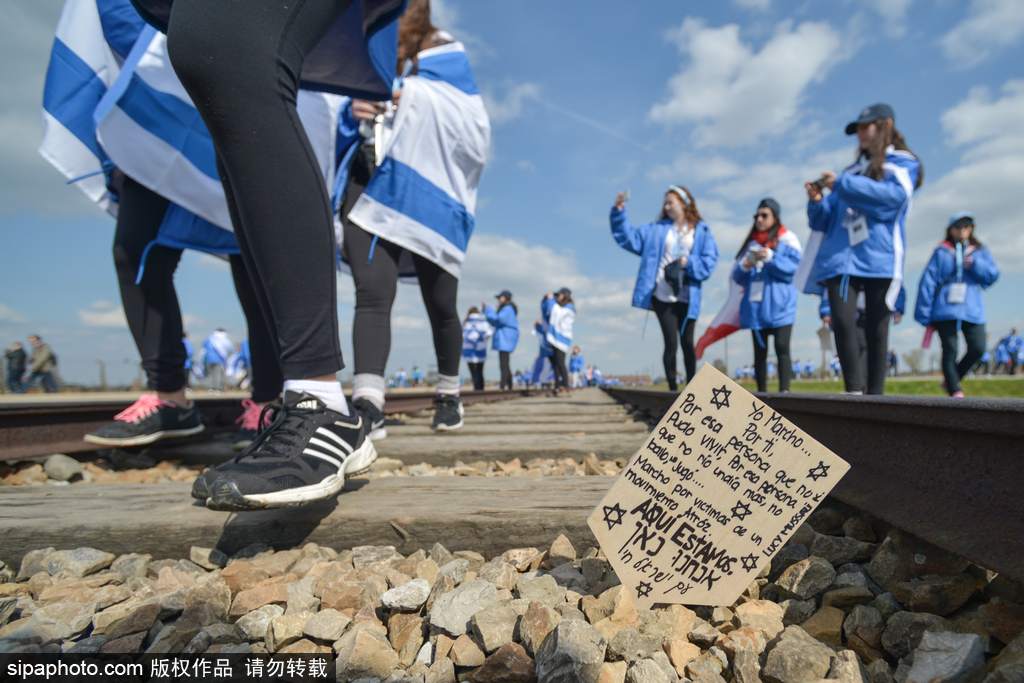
(147,420)
(373,419)
(448,413)
(302,456)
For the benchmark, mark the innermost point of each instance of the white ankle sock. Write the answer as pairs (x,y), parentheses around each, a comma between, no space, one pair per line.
(370,387)
(328,392)
(448,385)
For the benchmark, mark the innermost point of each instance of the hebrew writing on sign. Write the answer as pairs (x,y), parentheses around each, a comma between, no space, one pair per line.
(711,496)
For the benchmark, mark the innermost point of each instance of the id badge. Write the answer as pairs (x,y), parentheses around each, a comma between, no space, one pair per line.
(957,293)
(857,229)
(757,291)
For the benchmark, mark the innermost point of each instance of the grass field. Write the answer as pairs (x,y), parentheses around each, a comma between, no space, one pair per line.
(997,387)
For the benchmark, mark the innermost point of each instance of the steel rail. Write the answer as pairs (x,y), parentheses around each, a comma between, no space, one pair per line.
(949,472)
(29,430)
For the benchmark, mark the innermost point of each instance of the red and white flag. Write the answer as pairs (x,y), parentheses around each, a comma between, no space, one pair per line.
(726,322)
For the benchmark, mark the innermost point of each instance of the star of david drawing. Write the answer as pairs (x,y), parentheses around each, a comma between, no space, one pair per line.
(818,472)
(644,589)
(740,511)
(721,397)
(613,516)
(749,562)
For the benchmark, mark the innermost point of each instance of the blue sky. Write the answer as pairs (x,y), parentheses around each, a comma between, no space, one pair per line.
(737,100)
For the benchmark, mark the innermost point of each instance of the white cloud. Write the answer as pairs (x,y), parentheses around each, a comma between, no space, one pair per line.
(9,315)
(511,105)
(735,95)
(987,182)
(991,24)
(103,314)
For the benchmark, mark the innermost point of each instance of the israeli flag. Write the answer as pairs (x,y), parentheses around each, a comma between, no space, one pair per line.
(148,125)
(112,100)
(88,51)
(423,195)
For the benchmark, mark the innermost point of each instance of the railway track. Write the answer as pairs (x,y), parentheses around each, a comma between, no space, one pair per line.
(948,472)
(29,430)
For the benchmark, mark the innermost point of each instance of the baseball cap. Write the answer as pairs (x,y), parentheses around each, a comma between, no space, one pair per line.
(958,216)
(504,293)
(869,114)
(564,290)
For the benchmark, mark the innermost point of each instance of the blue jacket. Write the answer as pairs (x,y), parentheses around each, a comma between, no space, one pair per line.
(940,275)
(1013,343)
(506,327)
(648,241)
(475,333)
(576,363)
(778,305)
(189,352)
(883,205)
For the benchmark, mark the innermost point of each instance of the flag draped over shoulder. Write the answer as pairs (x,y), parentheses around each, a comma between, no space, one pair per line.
(112,101)
(86,59)
(150,128)
(726,322)
(423,195)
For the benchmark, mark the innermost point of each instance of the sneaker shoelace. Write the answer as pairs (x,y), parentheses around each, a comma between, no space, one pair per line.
(283,433)
(143,408)
(253,417)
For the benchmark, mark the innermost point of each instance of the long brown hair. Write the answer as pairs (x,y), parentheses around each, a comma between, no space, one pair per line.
(888,135)
(414,33)
(972,240)
(773,233)
(690,208)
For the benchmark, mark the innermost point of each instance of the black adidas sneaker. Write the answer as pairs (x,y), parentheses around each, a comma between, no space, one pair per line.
(373,419)
(448,413)
(302,456)
(147,420)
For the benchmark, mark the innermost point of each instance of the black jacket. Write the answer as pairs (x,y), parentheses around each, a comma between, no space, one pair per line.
(16,360)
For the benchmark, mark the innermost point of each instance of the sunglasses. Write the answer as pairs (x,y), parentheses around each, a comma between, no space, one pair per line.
(967,223)
(760,214)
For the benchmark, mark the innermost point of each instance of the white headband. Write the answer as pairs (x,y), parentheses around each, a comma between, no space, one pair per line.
(683,194)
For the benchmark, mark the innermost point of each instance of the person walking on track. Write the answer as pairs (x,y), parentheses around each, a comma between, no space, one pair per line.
(677,254)
(949,297)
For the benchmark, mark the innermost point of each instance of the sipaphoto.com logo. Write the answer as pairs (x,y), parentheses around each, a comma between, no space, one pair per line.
(64,670)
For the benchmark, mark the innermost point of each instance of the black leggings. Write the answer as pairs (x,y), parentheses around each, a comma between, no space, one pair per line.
(240,64)
(876,331)
(151,307)
(376,286)
(558,364)
(783,359)
(506,370)
(974,335)
(477,372)
(672,318)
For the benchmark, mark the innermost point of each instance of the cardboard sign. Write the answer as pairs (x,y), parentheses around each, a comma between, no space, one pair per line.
(711,496)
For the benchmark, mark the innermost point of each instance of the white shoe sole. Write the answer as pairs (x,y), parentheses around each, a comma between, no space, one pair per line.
(448,428)
(144,439)
(378,434)
(361,458)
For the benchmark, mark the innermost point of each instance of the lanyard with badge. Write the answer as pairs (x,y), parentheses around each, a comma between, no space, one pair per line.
(958,290)
(756,283)
(856,223)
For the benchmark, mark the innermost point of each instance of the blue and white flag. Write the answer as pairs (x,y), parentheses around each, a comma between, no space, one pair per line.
(423,195)
(112,100)
(93,39)
(150,128)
